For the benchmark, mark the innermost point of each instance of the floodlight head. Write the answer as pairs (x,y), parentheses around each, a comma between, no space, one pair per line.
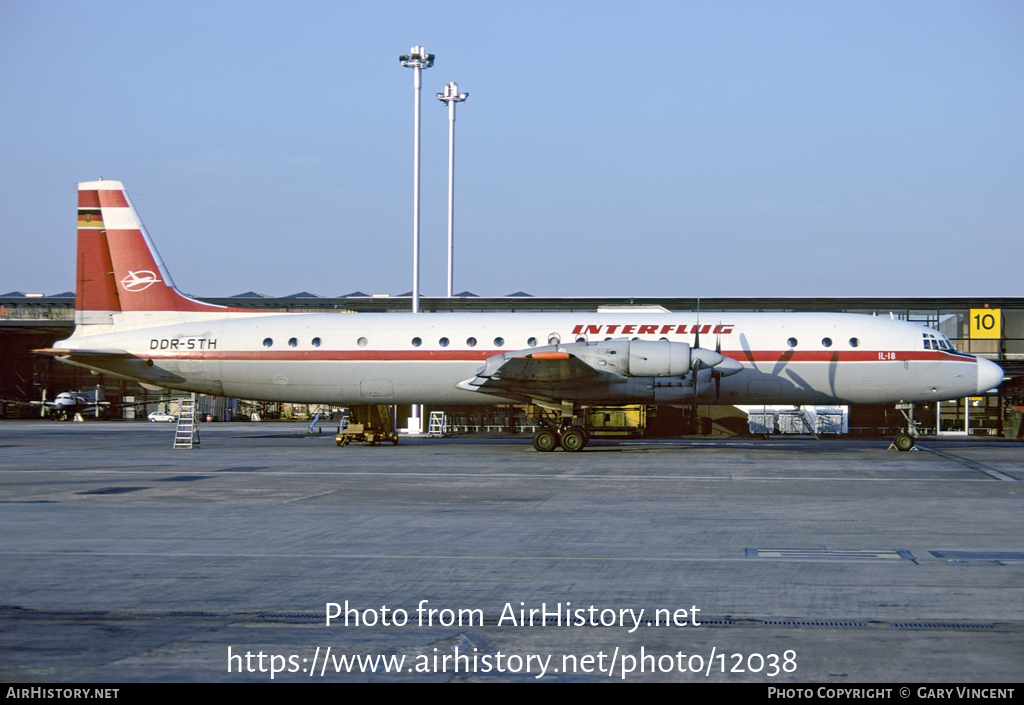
(451,94)
(417,58)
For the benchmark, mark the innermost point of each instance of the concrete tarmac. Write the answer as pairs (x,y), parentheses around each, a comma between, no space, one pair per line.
(803,561)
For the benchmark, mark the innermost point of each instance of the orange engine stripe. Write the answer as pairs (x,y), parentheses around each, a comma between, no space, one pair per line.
(549,356)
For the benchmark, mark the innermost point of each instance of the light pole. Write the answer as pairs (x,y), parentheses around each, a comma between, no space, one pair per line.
(450,97)
(417,59)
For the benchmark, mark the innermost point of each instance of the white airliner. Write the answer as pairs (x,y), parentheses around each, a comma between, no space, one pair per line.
(132,322)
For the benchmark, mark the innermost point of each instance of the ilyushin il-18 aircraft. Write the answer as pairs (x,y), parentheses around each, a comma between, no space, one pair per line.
(132,322)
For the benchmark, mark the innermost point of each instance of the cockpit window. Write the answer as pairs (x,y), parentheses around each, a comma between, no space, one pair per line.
(937,342)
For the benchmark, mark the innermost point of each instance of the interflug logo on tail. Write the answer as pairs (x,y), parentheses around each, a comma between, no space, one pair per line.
(139,281)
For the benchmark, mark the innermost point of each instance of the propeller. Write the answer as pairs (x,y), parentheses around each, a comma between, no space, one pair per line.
(697,362)
(707,359)
(715,374)
(719,365)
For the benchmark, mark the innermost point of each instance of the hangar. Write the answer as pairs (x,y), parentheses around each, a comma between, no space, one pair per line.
(992,327)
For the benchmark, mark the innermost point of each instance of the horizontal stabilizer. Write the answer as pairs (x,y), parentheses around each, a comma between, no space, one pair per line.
(83,353)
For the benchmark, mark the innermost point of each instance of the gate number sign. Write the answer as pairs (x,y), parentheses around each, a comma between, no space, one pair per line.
(986,323)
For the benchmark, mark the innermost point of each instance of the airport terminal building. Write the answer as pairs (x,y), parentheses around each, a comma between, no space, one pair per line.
(990,327)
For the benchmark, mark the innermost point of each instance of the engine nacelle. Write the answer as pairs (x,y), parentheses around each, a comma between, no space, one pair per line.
(634,358)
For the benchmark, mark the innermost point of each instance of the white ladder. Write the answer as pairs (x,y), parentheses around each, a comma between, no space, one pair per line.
(435,429)
(187,433)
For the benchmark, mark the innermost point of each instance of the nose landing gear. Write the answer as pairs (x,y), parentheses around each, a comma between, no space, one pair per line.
(906,440)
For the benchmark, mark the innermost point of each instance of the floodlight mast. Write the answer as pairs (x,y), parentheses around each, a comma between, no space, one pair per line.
(417,59)
(450,97)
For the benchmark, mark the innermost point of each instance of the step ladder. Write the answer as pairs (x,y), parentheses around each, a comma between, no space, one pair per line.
(435,429)
(187,433)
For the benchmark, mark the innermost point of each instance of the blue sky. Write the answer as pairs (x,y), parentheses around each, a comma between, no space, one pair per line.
(643,148)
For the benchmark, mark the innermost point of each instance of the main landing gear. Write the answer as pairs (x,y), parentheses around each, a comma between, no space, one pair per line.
(571,438)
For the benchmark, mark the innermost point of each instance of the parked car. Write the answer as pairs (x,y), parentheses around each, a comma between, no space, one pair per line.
(161,416)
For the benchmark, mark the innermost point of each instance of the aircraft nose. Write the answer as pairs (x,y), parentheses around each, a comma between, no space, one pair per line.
(990,375)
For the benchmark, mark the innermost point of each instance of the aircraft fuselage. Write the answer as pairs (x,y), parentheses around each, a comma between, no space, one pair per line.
(402,358)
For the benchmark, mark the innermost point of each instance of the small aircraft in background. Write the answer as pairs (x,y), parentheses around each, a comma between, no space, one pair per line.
(86,403)
(66,404)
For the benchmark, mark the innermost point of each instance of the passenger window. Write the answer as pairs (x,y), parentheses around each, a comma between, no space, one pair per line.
(791,342)
(416,342)
(854,342)
(292,342)
(553,339)
(316,342)
(443,342)
(827,342)
(362,342)
(532,342)
(471,342)
(499,342)
(268,342)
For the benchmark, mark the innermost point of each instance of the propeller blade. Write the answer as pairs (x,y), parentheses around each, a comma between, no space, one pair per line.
(714,373)
(696,342)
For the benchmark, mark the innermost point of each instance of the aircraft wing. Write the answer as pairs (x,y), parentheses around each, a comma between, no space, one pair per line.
(19,402)
(540,373)
(600,371)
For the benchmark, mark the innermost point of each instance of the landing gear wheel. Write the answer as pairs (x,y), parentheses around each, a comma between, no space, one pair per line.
(574,439)
(545,440)
(904,442)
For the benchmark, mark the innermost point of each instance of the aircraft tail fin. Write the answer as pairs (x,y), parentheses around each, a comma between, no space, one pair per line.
(119,269)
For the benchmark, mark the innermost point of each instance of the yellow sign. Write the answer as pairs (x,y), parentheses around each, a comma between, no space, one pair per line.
(986,323)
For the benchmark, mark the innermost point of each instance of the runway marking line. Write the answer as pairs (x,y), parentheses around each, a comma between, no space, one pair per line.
(532,476)
(857,554)
(370,556)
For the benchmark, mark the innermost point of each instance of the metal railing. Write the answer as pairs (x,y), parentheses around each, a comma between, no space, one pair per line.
(36,312)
